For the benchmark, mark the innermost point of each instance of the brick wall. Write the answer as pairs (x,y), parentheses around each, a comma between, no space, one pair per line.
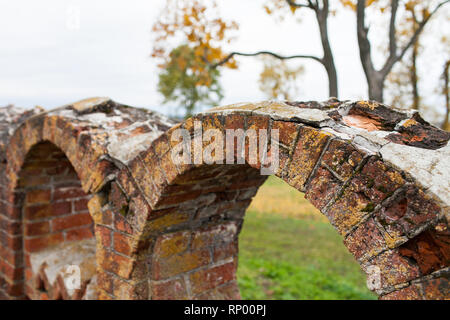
(170,231)
(53,204)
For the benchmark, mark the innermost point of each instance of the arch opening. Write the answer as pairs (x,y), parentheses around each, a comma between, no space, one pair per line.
(57,229)
(195,228)
(289,250)
(166,230)
(372,204)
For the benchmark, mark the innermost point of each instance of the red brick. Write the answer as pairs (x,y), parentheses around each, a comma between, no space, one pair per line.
(366,240)
(75,220)
(81,205)
(122,244)
(411,292)
(38,196)
(122,225)
(180,263)
(226,251)
(322,188)
(12,227)
(210,278)
(430,250)
(307,152)
(44,211)
(37,244)
(410,210)
(67,193)
(10,272)
(117,264)
(173,243)
(437,288)
(394,268)
(376,181)
(79,233)
(37,228)
(342,158)
(169,290)
(104,234)
(287,131)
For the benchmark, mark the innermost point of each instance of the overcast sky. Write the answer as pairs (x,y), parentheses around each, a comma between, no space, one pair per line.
(58,51)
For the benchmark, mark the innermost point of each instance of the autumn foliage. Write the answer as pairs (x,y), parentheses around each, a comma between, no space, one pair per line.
(196,23)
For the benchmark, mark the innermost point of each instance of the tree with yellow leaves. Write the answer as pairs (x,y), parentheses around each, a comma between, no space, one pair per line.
(197,23)
(186,81)
(278,80)
(186,74)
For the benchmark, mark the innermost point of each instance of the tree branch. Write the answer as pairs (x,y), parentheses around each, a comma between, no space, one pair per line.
(363,41)
(300,5)
(392,30)
(392,60)
(275,55)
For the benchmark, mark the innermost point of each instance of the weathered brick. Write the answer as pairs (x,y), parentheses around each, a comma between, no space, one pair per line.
(169,290)
(103,236)
(215,236)
(349,210)
(322,188)
(430,250)
(49,210)
(376,180)
(123,244)
(173,243)
(126,290)
(410,210)
(342,158)
(287,132)
(229,291)
(437,288)
(411,292)
(180,263)
(38,196)
(394,268)
(210,278)
(80,233)
(366,241)
(118,199)
(37,228)
(307,152)
(37,244)
(76,220)
(117,264)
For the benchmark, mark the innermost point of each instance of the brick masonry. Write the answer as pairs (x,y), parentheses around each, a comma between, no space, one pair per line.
(96,170)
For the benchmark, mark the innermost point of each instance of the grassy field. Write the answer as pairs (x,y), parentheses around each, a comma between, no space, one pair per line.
(288,250)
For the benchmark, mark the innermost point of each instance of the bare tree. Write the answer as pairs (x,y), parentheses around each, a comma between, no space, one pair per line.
(445,124)
(375,78)
(321,10)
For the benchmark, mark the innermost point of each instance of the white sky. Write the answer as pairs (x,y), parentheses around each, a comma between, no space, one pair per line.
(47,60)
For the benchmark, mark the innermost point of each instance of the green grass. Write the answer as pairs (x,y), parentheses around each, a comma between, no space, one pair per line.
(294,256)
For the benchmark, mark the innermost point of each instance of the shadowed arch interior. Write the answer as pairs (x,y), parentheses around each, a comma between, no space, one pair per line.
(54,215)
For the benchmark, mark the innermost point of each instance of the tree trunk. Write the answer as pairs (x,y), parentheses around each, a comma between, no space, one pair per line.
(414,79)
(376,87)
(328,59)
(445,123)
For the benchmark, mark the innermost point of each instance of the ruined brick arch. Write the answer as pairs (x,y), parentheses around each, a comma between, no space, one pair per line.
(50,169)
(167,231)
